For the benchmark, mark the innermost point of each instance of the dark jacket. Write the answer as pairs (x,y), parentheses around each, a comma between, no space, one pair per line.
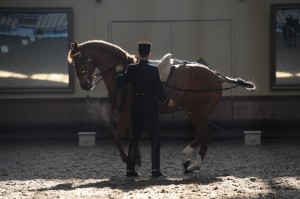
(146,87)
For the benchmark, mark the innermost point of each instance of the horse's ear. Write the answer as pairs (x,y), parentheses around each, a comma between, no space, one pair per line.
(74,46)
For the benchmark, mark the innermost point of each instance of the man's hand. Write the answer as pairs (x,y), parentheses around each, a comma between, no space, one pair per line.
(171,103)
(119,68)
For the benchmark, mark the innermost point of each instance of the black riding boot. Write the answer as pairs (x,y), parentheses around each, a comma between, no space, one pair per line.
(155,157)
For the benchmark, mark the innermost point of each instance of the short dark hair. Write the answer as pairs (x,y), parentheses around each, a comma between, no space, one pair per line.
(144,48)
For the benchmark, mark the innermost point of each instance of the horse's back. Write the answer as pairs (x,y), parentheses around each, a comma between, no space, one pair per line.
(200,86)
(196,77)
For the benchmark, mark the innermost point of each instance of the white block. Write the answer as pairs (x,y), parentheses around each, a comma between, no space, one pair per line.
(4,49)
(87,138)
(32,38)
(252,137)
(24,42)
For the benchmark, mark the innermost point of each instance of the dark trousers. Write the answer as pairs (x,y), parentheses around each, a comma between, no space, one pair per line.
(151,121)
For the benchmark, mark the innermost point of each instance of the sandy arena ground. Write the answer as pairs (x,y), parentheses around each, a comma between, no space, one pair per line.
(61,169)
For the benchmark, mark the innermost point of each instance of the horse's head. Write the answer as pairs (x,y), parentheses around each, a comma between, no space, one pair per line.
(89,55)
(83,65)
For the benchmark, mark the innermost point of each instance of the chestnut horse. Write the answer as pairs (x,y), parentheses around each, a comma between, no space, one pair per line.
(194,87)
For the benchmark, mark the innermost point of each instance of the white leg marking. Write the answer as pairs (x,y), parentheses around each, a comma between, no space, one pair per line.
(196,164)
(187,153)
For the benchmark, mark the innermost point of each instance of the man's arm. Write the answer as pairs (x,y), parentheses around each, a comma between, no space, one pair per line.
(159,90)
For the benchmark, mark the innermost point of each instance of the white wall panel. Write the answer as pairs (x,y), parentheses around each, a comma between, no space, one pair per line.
(189,40)
(128,34)
(210,40)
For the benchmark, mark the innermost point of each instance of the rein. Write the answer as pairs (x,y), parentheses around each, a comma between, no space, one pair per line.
(103,75)
(86,75)
(199,91)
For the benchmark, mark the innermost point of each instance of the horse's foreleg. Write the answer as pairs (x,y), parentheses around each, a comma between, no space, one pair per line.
(119,144)
(123,154)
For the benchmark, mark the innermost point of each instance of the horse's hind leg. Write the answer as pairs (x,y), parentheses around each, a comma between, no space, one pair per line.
(203,141)
(202,138)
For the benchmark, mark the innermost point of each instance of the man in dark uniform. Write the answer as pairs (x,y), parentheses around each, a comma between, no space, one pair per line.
(146,87)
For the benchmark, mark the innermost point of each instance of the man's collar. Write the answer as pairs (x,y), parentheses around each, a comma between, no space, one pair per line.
(144,60)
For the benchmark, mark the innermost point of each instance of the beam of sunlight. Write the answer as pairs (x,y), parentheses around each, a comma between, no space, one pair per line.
(280,74)
(291,183)
(55,77)
(8,74)
(249,187)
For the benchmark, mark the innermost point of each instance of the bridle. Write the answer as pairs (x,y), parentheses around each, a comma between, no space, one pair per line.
(85,74)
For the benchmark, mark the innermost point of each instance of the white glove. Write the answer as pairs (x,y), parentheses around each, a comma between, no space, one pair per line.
(119,68)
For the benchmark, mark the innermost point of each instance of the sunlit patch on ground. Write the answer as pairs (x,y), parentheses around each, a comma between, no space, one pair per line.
(174,187)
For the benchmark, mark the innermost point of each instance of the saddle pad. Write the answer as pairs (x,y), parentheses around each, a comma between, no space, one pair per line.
(164,65)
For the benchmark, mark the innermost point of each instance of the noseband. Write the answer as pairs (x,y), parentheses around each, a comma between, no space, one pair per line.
(85,73)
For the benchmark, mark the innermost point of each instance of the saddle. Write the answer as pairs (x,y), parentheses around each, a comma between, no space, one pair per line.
(164,66)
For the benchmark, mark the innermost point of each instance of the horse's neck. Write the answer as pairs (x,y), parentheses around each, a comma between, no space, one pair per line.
(109,80)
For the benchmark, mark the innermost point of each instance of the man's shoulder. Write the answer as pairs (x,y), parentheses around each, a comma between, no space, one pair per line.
(149,65)
(133,64)
(153,67)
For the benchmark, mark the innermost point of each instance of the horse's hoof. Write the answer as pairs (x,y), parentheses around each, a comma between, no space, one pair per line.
(186,165)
